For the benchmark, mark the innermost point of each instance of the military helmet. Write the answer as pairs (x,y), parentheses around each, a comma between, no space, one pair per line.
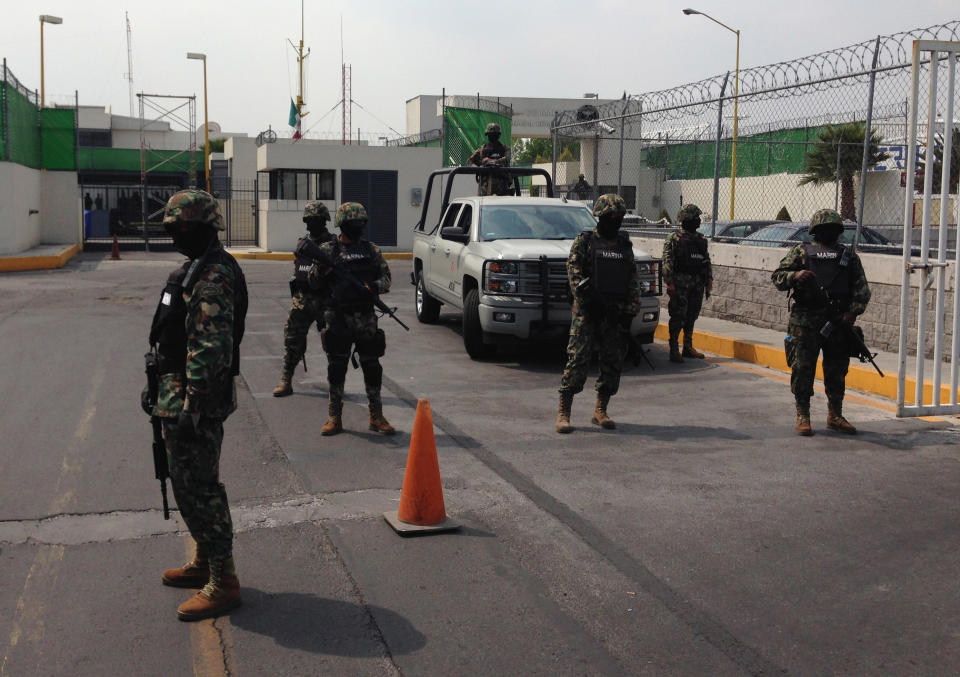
(823,217)
(316,210)
(194,207)
(688,212)
(609,204)
(351,211)
(492,128)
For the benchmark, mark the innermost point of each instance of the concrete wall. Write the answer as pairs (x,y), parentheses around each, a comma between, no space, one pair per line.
(61,212)
(743,292)
(19,195)
(280,220)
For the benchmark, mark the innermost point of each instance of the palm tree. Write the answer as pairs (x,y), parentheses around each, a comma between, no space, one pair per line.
(938,163)
(837,156)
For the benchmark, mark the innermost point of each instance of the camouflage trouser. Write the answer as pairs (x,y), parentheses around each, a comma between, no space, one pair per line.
(587,335)
(802,348)
(195,478)
(344,331)
(305,309)
(684,308)
(494,184)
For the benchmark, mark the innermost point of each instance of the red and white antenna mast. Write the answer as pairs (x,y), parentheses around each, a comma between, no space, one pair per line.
(129,73)
(347,105)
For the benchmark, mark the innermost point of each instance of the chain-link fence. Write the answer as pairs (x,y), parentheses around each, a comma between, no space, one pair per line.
(791,142)
(19,122)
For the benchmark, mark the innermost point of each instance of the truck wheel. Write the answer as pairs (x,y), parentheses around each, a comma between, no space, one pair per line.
(428,308)
(472,331)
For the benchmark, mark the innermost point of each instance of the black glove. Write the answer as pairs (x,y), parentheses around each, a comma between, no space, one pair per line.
(307,248)
(187,426)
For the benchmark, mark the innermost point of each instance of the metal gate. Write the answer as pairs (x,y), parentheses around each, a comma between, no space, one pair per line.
(937,56)
(239,203)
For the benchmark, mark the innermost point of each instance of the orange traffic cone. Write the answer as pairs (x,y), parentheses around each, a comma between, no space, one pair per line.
(421,499)
(115,254)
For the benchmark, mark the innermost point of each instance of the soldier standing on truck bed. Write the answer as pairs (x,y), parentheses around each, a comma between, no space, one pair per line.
(687,274)
(603,279)
(306,306)
(492,154)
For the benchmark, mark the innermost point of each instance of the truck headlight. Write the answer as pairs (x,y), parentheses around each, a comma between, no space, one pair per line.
(503,267)
(501,277)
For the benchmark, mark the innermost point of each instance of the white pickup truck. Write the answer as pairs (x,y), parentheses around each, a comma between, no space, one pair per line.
(501,262)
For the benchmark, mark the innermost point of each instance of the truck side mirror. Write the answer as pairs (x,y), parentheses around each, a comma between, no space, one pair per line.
(455,235)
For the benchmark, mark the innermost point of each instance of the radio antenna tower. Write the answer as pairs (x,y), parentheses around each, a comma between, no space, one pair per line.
(347,105)
(129,73)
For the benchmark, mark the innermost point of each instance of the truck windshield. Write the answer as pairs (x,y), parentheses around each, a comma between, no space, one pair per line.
(534,222)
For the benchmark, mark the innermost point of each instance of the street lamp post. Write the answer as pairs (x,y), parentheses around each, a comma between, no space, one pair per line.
(736,93)
(206,120)
(45,19)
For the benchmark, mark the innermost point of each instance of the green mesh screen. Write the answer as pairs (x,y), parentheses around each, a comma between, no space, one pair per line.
(757,155)
(463,133)
(128,159)
(58,139)
(21,129)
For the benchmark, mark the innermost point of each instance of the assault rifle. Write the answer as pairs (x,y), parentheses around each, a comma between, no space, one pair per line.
(148,400)
(854,336)
(639,353)
(307,248)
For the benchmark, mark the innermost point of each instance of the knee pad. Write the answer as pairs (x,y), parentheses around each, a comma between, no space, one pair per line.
(374,346)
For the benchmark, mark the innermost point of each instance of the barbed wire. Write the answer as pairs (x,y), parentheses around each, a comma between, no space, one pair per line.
(831,69)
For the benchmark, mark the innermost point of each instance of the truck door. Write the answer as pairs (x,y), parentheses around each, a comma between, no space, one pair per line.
(449,256)
(437,274)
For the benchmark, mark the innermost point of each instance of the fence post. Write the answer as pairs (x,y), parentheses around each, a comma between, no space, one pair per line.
(5,113)
(716,157)
(623,123)
(554,141)
(596,162)
(866,145)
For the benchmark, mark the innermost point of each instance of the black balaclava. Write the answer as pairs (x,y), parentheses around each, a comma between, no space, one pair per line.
(192,242)
(493,137)
(691,225)
(608,225)
(316,227)
(827,233)
(353,229)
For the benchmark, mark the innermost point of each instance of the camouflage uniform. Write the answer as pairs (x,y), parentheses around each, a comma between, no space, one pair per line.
(350,320)
(810,312)
(197,331)
(597,322)
(492,153)
(686,266)
(306,306)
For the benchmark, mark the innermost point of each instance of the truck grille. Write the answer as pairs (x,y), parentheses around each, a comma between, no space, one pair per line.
(530,281)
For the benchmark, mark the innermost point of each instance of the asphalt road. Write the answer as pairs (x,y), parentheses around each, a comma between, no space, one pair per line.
(702,537)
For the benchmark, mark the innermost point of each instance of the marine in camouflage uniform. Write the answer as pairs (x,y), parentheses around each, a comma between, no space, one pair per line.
(687,275)
(306,307)
(603,280)
(492,154)
(351,323)
(197,331)
(827,283)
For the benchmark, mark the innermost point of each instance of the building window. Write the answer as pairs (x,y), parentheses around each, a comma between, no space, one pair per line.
(302,184)
(94,138)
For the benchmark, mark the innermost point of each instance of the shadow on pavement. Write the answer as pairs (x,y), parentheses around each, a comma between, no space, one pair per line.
(675,432)
(322,625)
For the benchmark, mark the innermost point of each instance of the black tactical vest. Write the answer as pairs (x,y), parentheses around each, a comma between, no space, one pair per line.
(357,257)
(302,264)
(168,330)
(831,266)
(691,253)
(611,266)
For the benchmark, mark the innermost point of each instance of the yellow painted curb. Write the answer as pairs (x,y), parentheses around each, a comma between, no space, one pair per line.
(288,256)
(858,378)
(10,264)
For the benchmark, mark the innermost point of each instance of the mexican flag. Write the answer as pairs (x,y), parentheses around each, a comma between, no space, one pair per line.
(294,120)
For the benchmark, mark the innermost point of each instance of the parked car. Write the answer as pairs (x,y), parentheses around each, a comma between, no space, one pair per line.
(734,231)
(790,234)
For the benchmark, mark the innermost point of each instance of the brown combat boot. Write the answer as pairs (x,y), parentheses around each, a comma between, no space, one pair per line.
(378,423)
(286,387)
(193,574)
(600,417)
(334,424)
(803,420)
(675,347)
(563,413)
(689,350)
(220,594)
(836,421)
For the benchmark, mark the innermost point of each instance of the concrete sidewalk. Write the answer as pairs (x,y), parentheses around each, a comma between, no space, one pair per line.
(764,347)
(41,257)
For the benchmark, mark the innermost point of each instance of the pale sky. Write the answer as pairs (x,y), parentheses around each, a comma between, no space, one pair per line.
(399,49)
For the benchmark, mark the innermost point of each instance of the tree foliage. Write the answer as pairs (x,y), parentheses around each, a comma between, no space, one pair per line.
(938,149)
(216,145)
(838,156)
(783,214)
(533,151)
